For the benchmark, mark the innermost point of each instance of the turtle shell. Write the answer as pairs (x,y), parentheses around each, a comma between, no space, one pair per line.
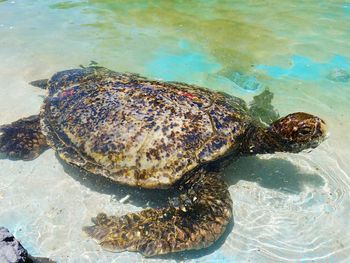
(137,131)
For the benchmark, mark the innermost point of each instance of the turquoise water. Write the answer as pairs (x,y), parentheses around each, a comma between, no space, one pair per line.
(287,208)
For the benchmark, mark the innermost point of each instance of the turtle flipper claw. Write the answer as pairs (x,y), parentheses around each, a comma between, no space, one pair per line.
(197,221)
(22,139)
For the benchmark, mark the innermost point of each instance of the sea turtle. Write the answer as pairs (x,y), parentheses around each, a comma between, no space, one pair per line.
(153,134)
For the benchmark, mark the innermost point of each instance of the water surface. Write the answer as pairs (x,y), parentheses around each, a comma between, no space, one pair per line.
(287,208)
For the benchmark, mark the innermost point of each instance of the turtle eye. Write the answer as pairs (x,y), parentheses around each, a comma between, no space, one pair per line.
(305,131)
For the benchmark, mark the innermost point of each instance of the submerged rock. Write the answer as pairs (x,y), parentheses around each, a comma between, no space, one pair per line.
(40,260)
(11,250)
(246,82)
(339,75)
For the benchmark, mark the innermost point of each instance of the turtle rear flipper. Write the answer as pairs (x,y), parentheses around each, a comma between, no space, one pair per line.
(41,83)
(22,139)
(194,220)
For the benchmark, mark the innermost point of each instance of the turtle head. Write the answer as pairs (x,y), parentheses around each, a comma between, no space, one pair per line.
(298,131)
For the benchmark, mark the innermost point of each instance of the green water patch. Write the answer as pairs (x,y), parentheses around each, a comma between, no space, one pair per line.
(220,30)
(238,35)
(67,5)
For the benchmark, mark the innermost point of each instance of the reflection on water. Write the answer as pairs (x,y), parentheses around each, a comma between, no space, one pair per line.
(337,69)
(287,208)
(238,34)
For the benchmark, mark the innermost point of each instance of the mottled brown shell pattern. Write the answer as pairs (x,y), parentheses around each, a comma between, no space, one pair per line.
(140,132)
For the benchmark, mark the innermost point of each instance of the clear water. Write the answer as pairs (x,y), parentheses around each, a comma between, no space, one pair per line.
(287,208)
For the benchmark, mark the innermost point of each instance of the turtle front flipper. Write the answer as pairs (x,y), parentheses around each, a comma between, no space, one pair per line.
(193,220)
(262,110)
(22,139)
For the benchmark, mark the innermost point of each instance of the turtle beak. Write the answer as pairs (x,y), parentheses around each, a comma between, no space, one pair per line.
(321,132)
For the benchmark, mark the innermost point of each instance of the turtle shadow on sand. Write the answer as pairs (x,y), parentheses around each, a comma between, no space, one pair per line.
(139,197)
(274,173)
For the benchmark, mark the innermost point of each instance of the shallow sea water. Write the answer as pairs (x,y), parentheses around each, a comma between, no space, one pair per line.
(287,208)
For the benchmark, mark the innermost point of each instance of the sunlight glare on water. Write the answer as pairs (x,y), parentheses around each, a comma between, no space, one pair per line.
(287,208)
